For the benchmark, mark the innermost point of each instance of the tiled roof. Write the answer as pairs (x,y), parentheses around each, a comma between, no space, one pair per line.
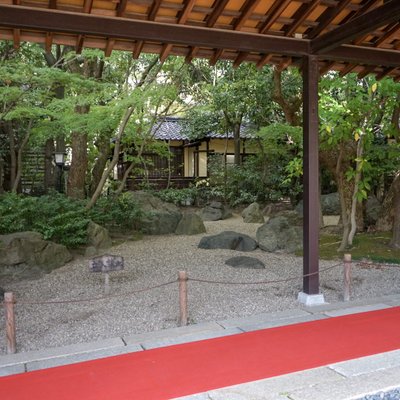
(171,128)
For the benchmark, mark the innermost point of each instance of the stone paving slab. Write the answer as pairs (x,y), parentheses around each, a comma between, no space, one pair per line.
(355,310)
(32,360)
(170,333)
(12,369)
(80,357)
(194,337)
(281,322)
(364,365)
(351,388)
(277,388)
(267,317)
(392,300)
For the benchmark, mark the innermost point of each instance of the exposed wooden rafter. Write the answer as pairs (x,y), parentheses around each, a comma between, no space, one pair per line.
(247,9)
(366,71)
(327,17)
(264,60)
(274,12)
(326,68)
(378,17)
(183,16)
(347,69)
(121,7)
(153,10)
(385,73)
(303,12)
(220,29)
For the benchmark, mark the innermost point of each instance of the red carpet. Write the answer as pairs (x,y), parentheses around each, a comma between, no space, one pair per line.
(180,370)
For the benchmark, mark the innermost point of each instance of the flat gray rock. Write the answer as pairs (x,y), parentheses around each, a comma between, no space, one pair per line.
(228,240)
(245,262)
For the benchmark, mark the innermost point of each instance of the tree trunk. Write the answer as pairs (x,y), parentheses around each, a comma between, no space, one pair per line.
(357,179)
(19,158)
(290,107)
(236,139)
(114,160)
(79,161)
(103,147)
(13,157)
(395,242)
(49,175)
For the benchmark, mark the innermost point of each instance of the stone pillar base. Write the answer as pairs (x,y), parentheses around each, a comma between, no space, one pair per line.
(311,299)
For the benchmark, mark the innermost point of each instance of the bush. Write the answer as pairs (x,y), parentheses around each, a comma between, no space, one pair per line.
(55,216)
(62,219)
(177,196)
(117,211)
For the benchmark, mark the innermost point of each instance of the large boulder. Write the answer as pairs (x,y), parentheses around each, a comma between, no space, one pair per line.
(214,211)
(372,210)
(160,217)
(281,233)
(190,224)
(29,248)
(330,204)
(98,237)
(253,214)
(245,262)
(228,240)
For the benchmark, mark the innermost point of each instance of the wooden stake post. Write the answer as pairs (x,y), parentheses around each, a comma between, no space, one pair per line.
(183,317)
(9,301)
(347,277)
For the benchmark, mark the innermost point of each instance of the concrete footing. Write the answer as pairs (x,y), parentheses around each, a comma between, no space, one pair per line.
(311,299)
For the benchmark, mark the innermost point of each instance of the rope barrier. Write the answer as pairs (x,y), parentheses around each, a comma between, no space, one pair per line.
(378,265)
(96,298)
(264,282)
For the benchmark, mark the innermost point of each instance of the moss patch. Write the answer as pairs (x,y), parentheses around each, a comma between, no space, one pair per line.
(369,246)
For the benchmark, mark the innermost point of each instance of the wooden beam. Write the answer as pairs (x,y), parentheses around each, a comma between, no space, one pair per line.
(364,55)
(274,12)
(53,4)
(310,175)
(327,17)
(378,17)
(119,28)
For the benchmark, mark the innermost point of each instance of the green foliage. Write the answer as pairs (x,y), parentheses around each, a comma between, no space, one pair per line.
(116,212)
(178,196)
(57,217)
(63,220)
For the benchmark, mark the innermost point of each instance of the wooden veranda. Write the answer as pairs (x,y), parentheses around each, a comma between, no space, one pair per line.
(361,36)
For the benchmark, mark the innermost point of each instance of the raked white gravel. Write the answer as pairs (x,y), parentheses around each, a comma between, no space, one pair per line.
(155,260)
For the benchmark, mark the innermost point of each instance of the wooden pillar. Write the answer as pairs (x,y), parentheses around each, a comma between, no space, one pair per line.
(310,175)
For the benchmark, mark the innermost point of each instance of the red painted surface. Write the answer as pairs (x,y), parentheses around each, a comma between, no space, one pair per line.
(180,370)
